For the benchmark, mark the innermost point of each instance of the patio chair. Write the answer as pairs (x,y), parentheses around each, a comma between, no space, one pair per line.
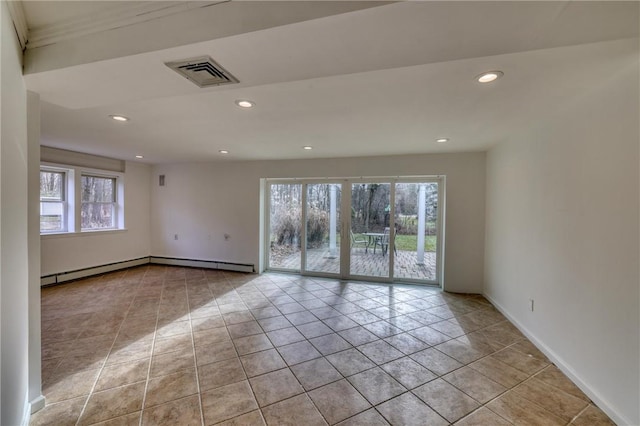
(358,241)
(383,242)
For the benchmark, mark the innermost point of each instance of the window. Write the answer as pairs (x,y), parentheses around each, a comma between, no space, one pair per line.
(98,202)
(75,199)
(53,206)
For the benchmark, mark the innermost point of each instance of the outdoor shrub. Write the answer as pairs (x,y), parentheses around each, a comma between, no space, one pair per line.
(286,226)
(317,227)
(408,225)
(287,230)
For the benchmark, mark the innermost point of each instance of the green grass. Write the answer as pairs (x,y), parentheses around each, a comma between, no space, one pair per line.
(409,242)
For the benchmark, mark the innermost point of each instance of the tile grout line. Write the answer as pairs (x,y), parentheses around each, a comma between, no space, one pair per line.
(291,287)
(588,400)
(305,392)
(153,345)
(580,413)
(372,406)
(195,359)
(287,366)
(74,340)
(378,338)
(237,355)
(104,363)
(507,389)
(322,356)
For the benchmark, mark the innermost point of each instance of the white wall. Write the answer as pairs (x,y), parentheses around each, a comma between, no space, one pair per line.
(562,229)
(201,202)
(36,399)
(14,319)
(68,252)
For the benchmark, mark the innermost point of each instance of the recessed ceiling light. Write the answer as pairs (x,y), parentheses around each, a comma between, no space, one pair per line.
(223,151)
(442,140)
(489,76)
(119,117)
(307,148)
(139,156)
(244,103)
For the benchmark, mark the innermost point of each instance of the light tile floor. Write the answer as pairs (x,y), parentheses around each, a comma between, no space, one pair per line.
(159,345)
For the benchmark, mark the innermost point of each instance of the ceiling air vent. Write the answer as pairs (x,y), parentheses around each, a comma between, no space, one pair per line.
(203,71)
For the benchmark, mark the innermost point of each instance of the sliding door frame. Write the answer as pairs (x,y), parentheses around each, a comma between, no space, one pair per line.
(392,234)
(345,222)
(303,266)
(267,224)
(440,180)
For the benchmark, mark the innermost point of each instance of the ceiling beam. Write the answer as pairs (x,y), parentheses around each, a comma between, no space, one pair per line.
(122,14)
(180,24)
(19,21)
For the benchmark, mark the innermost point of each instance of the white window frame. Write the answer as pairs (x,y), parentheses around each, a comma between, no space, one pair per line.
(64,199)
(73,187)
(114,203)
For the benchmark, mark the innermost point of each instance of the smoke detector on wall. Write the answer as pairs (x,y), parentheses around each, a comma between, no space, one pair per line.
(202,71)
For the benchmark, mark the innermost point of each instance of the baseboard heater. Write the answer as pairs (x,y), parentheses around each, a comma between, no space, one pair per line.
(62,277)
(210,264)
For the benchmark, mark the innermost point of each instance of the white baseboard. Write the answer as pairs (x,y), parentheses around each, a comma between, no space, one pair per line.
(48,280)
(210,264)
(31,407)
(565,367)
(62,277)
(37,404)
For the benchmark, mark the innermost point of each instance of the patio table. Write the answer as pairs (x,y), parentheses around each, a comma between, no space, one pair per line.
(372,236)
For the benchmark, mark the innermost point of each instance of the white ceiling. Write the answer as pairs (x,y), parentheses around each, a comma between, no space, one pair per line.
(381,80)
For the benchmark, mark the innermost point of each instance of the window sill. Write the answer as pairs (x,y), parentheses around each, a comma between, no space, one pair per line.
(54,235)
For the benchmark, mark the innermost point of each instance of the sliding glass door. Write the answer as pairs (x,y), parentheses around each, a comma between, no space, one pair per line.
(322,218)
(379,230)
(416,236)
(370,223)
(285,226)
